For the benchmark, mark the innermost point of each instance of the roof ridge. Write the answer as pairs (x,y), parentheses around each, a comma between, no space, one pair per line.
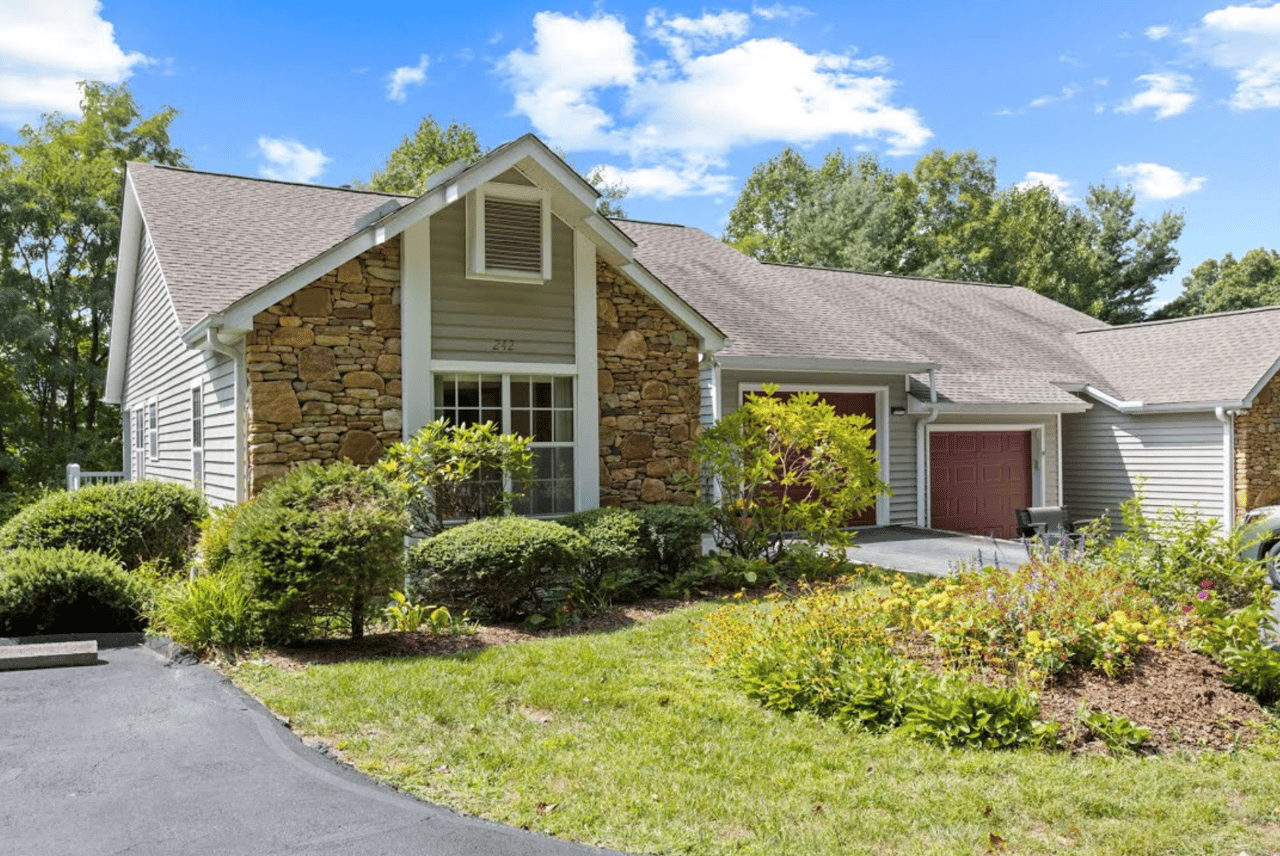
(1163,321)
(891,275)
(264,180)
(649,222)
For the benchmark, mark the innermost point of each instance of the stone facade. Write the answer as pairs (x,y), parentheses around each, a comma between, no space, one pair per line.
(324,369)
(1258,450)
(649,396)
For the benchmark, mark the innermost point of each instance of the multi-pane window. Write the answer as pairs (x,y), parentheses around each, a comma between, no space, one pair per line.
(197,434)
(536,406)
(139,445)
(153,431)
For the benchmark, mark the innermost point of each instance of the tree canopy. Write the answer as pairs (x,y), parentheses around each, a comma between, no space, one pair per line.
(1227,285)
(60,192)
(432,148)
(947,218)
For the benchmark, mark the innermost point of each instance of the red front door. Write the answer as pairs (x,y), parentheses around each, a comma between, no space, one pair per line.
(978,479)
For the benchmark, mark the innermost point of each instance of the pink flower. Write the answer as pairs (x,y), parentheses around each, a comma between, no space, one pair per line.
(1203,595)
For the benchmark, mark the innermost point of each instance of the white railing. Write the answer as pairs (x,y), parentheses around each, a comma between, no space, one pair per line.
(76,478)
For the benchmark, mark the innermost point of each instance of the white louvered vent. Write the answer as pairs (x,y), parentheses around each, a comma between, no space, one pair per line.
(513,234)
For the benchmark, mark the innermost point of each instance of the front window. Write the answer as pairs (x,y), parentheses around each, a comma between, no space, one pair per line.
(536,406)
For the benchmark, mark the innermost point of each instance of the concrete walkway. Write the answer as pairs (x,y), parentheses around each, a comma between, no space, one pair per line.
(138,755)
(931,551)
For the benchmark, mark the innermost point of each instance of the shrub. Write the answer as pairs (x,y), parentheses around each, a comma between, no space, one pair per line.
(132,522)
(66,591)
(671,538)
(1173,555)
(613,567)
(1239,640)
(459,473)
(320,544)
(787,469)
(501,566)
(214,547)
(213,612)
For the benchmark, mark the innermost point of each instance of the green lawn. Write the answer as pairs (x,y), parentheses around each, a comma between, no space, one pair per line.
(626,740)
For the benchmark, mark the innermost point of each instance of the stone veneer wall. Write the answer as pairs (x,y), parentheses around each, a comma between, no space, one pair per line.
(324,369)
(649,396)
(1258,451)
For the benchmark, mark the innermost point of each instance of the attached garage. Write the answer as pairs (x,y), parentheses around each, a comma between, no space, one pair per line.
(978,479)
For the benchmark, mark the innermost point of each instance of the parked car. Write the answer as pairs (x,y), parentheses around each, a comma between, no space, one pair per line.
(1260,533)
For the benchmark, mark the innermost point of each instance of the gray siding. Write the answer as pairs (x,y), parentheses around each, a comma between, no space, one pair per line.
(484,320)
(161,367)
(902,467)
(1108,453)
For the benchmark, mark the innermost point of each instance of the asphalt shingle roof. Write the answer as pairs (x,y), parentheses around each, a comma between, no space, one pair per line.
(222,237)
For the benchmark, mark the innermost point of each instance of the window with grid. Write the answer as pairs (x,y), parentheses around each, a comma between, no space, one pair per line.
(153,431)
(536,406)
(197,434)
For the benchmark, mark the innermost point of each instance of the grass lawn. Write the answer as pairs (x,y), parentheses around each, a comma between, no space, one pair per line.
(626,740)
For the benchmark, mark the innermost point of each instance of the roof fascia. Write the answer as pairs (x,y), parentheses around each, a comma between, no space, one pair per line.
(818,364)
(713,339)
(1262,382)
(915,406)
(131,226)
(1169,407)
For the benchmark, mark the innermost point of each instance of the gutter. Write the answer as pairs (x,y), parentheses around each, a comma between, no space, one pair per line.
(922,467)
(211,326)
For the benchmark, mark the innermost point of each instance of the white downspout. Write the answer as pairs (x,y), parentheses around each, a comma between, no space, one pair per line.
(1061,490)
(237,366)
(922,467)
(1227,418)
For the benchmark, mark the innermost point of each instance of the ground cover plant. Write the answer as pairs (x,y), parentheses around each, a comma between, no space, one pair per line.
(630,739)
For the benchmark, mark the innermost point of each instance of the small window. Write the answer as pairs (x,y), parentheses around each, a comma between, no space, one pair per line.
(197,417)
(139,445)
(153,431)
(510,234)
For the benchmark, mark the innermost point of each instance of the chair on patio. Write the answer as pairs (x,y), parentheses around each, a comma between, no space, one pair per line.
(1049,523)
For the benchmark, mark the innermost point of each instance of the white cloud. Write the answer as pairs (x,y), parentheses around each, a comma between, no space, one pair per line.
(1166,94)
(779,12)
(1154,181)
(1056,184)
(289,160)
(664,181)
(1246,41)
(46,48)
(1158,32)
(404,77)
(704,89)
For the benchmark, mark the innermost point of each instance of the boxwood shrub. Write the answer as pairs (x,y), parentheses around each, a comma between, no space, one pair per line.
(500,566)
(67,591)
(320,545)
(612,568)
(131,522)
(672,538)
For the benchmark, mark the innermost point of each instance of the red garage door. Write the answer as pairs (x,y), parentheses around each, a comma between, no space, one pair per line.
(848,404)
(978,479)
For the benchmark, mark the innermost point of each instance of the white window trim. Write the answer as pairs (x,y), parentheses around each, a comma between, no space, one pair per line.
(882,424)
(153,430)
(477,267)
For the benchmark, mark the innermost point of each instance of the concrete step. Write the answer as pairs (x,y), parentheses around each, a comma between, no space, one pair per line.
(48,655)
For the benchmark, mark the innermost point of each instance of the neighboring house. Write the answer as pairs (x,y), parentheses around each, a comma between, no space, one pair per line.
(260,323)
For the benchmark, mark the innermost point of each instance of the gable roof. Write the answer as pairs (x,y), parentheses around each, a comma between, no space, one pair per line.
(1223,359)
(992,344)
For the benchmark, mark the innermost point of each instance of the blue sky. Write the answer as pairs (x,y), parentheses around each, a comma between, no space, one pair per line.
(679,101)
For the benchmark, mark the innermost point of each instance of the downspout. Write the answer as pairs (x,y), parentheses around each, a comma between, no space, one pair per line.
(1227,418)
(212,343)
(922,462)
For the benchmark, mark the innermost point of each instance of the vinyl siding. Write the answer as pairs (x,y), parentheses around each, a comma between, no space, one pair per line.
(1108,453)
(161,367)
(483,320)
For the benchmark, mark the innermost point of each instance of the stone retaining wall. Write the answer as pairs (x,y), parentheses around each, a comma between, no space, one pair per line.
(1258,451)
(649,396)
(324,369)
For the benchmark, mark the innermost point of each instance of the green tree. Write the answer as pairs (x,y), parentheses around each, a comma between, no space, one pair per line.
(947,218)
(1227,285)
(60,187)
(787,468)
(429,150)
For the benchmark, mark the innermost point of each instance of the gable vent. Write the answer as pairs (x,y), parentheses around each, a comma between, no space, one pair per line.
(513,234)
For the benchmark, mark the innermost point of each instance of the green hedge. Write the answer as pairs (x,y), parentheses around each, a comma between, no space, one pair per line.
(500,566)
(612,568)
(132,522)
(67,591)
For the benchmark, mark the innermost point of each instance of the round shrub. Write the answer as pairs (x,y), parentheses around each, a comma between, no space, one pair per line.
(672,538)
(214,547)
(132,522)
(613,565)
(321,544)
(500,566)
(66,591)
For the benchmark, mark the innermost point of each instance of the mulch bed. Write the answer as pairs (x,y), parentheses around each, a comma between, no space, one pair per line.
(1180,696)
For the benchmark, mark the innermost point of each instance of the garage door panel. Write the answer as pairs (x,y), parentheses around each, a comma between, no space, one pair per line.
(979,479)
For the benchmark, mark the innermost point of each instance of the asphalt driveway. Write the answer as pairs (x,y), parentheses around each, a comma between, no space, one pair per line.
(140,755)
(931,551)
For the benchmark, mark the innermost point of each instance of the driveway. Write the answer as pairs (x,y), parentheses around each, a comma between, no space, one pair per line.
(931,551)
(140,755)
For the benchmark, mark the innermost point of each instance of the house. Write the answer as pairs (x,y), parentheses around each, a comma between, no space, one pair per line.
(259,323)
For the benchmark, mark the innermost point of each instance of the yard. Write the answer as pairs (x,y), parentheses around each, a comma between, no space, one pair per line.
(625,738)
